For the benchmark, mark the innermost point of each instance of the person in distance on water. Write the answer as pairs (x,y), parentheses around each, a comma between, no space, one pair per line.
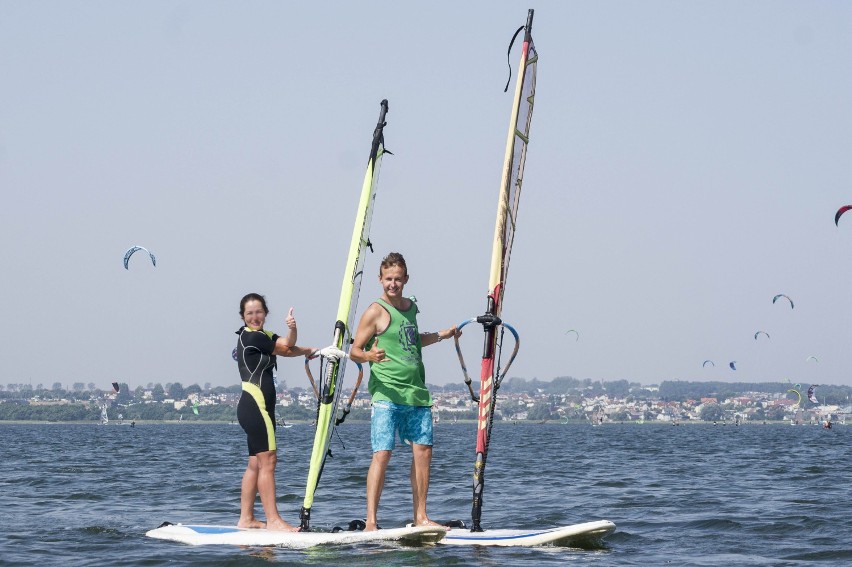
(388,338)
(255,354)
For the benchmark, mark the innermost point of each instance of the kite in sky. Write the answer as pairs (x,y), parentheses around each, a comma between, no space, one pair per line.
(812,394)
(133,250)
(799,394)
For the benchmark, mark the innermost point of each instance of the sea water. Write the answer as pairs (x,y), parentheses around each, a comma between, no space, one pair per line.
(679,495)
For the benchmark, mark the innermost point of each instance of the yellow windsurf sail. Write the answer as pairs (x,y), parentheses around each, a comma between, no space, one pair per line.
(331,380)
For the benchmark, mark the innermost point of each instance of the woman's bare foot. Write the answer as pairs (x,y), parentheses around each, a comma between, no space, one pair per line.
(251,523)
(281,525)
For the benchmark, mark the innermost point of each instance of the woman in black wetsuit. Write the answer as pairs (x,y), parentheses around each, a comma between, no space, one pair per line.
(256,352)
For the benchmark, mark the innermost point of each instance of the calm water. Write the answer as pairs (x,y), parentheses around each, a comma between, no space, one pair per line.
(688,495)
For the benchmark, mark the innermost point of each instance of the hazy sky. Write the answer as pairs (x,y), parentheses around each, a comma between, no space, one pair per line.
(685,164)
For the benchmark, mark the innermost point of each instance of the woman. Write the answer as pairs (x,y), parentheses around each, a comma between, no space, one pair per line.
(256,352)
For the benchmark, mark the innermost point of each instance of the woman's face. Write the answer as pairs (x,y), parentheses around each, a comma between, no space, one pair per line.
(254,315)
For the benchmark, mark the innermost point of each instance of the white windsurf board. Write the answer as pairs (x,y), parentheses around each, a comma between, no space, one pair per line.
(231,535)
(568,536)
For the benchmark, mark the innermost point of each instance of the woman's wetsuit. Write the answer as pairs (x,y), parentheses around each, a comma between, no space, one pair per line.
(256,410)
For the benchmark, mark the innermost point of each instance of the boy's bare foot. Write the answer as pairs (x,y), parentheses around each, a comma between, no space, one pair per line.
(428,522)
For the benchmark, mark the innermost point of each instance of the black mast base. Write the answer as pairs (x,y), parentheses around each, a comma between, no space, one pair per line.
(305,517)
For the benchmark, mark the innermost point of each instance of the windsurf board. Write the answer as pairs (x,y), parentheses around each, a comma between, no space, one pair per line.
(231,535)
(568,536)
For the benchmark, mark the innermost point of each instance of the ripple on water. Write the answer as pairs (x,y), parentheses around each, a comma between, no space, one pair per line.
(694,495)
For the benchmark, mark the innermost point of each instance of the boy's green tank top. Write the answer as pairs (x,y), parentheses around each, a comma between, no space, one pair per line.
(401,377)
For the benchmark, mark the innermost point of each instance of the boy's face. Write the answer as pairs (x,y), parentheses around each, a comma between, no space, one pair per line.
(393,280)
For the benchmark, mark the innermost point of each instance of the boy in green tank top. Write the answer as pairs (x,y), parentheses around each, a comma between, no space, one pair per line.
(388,338)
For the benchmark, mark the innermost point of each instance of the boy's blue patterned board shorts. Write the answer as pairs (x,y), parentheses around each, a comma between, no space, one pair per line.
(414,424)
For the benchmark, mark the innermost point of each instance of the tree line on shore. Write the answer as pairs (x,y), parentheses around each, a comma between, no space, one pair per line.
(82,404)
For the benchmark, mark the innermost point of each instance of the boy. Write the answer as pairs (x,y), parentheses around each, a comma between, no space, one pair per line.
(401,402)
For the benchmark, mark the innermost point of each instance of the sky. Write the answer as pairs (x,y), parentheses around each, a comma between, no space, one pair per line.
(685,164)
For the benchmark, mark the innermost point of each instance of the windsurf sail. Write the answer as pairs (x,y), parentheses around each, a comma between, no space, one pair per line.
(330,385)
(504,233)
(104,415)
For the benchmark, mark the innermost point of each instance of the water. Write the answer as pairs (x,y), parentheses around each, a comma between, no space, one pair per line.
(688,495)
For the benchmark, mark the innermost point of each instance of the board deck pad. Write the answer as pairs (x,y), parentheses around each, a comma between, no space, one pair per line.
(575,535)
(199,534)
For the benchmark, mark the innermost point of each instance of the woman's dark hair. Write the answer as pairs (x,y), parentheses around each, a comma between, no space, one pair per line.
(252,297)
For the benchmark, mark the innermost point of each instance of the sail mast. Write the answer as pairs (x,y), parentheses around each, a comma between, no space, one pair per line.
(330,388)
